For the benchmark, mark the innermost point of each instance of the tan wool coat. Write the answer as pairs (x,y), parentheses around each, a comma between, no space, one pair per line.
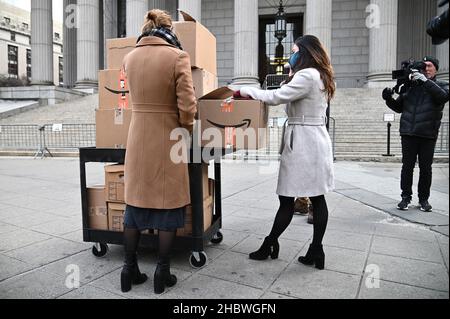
(160,82)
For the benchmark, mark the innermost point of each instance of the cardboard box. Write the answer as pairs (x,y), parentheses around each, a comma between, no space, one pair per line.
(204,82)
(112,128)
(113,92)
(116,213)
(238,124)
(98,212)
(114,183)
(199,42)
(116,49)
(208,208)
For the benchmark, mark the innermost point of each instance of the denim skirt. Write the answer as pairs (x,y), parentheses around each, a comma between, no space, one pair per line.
(149,218)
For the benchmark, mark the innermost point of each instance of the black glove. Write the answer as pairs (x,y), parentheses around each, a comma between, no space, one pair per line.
(387,94)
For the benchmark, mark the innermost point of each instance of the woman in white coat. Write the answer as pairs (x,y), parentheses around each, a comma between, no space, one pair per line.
(306,168)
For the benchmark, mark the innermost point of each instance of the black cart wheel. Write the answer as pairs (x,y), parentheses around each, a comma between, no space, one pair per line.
(217,238)
(198,259)
(99,253)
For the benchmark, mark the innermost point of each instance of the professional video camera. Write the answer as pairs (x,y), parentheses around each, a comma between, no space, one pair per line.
(403,76)
(437,28)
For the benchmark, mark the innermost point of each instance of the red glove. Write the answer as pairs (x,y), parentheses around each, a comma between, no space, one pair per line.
(237,95)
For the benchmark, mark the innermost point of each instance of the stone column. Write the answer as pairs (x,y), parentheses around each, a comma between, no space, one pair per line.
(192,7)
(136,11)
(245,43)
(318,21)
(442,54)
(383,43)
(41,42)
(157,4)
(70,43)
(110,14)
(87,45)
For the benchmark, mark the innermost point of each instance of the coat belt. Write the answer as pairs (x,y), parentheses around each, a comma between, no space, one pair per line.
(155,108)
(303,120)
(308,120)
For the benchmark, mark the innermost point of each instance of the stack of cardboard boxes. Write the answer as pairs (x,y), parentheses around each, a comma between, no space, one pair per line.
(107,207)
(113,117)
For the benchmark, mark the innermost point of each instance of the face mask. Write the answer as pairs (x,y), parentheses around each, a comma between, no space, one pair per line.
(294,59)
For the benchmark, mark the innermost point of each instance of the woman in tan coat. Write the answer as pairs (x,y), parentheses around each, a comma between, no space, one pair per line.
(156,188)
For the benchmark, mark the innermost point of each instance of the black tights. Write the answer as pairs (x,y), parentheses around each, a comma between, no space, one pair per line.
(286,212)
(132,236)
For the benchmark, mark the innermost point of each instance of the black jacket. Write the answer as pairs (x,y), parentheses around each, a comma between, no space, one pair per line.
(421,106)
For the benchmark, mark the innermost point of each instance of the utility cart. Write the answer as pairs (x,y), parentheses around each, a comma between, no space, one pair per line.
(195,242)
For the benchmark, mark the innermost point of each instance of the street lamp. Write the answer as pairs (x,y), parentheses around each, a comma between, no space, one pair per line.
(280,34)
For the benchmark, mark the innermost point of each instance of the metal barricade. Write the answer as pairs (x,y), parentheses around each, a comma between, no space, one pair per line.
(273,81)
(63,137)
(19,137)
(442,142)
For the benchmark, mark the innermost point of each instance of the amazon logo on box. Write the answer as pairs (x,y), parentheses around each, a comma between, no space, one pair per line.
(239,121)
(113,91)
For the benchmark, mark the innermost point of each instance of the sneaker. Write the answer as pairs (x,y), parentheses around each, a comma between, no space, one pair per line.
(404,204)
(425,206)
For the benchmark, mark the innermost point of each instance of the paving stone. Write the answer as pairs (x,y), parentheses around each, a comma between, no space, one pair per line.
(444,230)
(392,290)
(288,248)
(345,239)
(47,251)
(90,292)
(111,283)
(231,238)
(59,226)
(90,267)
(247,225)
(200,286)
(353,226)
(341,259)
(36,284)
(306,282)
(5,228)
(271,295)
(411,272)
(76,236)
(11,267)
(239,268)
(32,219)
(20,238)
(444,250)
(256,213)
(407,248)
(405,230)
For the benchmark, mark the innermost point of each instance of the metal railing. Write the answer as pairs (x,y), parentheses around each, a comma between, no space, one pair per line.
(442,142)
(47,138)
(19,137)
(273,81)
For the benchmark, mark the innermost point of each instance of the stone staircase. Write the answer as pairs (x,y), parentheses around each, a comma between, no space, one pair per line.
(359,127)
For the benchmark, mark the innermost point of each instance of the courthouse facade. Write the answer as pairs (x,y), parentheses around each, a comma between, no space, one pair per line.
(366,39)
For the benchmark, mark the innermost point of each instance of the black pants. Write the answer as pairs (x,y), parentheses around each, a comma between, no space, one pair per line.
(412,148)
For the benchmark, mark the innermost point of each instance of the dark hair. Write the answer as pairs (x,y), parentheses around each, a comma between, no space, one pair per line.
(313,55)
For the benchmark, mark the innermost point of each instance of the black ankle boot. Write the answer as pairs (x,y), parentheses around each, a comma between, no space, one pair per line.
(314,256)
(130,273)
(163,278)
(269,247)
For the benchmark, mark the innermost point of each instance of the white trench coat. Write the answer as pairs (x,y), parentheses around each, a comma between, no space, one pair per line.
(306,168)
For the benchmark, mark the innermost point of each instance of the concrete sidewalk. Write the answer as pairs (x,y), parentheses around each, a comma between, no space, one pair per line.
(41,239)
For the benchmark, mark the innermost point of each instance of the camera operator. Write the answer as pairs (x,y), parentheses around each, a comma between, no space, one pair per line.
(421,106)
(438,28)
